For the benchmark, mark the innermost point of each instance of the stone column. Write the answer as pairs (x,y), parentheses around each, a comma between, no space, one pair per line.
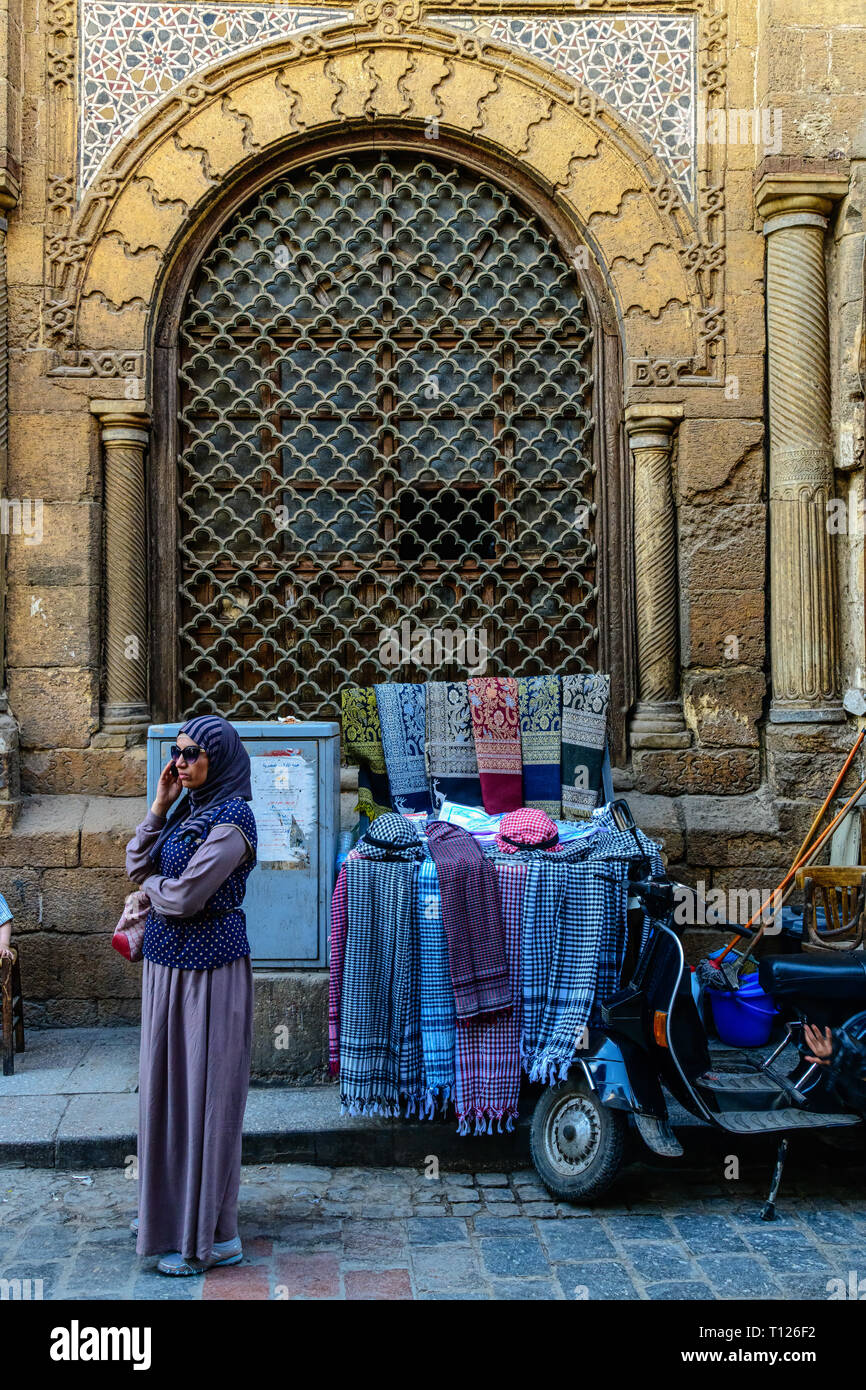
(804,625)
(658,721)
(125,435)
(8,199)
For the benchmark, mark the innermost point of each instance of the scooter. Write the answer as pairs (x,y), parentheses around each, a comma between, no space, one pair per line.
(652,1035)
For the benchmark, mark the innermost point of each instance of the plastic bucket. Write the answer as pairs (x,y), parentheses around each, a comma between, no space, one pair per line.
(743,1019)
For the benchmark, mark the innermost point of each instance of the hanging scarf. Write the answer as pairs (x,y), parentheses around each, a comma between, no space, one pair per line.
(496,728)
(436,995)
(228,777)
(402,715)
(472,917)
(452,765)
(362,742)
(379,1056)
(541,742)
(488,1049)
(337,949)
(574,939)
(584,731)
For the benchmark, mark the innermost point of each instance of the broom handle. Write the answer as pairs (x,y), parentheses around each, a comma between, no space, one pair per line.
(799,857)
(806,859)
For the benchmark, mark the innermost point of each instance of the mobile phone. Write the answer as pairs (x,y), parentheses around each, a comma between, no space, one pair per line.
(172,771)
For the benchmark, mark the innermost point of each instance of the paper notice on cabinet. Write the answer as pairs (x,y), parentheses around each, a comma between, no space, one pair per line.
(284,805)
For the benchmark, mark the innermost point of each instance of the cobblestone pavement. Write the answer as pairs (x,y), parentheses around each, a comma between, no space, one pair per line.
(373,1233)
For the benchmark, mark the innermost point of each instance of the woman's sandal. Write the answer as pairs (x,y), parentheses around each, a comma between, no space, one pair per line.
(226,1252)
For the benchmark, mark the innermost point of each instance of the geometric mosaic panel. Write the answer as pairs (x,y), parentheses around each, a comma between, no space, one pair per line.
(386,410)
(642,65)
(133,54)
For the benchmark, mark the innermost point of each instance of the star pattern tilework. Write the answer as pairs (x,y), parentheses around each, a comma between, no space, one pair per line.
(642,65)
(133,54)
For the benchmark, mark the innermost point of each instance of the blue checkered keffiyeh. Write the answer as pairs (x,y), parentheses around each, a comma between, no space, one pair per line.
(574,937)
(436,995)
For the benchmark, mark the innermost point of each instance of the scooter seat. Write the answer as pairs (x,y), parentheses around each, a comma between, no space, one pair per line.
(836,977)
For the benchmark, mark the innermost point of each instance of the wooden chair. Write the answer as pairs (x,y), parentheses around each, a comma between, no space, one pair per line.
(841,891)
(11,1011)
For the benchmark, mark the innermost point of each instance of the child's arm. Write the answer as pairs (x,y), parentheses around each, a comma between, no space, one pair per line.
(6,939)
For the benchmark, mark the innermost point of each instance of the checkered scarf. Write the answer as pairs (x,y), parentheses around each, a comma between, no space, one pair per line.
(472,916)
(436,995)
(402,714)
(574,938)
(380,1038)
(526,829)
(488,1049)
(339,928)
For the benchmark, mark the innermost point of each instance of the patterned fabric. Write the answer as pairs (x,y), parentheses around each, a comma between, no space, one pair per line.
(452,765)
(539,700)
(436,995)
(5,911)
(402,715)
(472,916)
(217,934)
(362,743)
(574,939)
(375,985)
(339,928)
(584,731)
(526,829)
(488,1050)
(496,729)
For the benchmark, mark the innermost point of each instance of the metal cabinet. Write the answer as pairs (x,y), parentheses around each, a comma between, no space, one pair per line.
(296,802)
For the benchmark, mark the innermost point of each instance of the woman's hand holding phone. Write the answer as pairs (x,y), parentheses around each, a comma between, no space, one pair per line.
(168,789)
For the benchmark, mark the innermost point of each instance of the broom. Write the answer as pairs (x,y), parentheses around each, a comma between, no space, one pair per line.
(714,974)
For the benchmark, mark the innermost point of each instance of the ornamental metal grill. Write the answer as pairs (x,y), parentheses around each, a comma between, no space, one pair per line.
(386,424)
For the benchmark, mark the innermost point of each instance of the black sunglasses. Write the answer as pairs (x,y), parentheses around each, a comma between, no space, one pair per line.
(189,754)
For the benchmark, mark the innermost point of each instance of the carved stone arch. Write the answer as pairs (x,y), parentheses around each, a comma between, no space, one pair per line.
(209,135)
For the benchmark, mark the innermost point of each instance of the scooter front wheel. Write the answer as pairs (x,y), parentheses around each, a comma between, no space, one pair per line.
(576,1143)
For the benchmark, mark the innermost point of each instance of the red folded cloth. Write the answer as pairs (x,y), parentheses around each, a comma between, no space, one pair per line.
(496,729)
(527,829)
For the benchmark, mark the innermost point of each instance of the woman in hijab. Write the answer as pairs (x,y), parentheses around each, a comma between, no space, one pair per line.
(197,999)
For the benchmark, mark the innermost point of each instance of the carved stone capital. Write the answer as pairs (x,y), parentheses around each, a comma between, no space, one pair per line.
(780,194)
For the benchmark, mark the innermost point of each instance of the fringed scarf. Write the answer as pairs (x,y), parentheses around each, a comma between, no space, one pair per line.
(472,917)
(337,943)
(379,1041)
(402,715)
(362,743)
(452,765)
(436,995)
(584,731)
(574,937)
(496,729)
(539,699)
(488,1050)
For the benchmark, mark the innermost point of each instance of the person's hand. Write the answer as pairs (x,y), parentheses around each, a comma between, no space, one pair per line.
(168,789)
(6,951)
(821,1043)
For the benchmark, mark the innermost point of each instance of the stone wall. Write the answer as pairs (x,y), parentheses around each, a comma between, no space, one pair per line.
(732,795)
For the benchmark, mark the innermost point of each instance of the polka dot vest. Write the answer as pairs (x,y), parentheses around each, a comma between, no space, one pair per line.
(217,934)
